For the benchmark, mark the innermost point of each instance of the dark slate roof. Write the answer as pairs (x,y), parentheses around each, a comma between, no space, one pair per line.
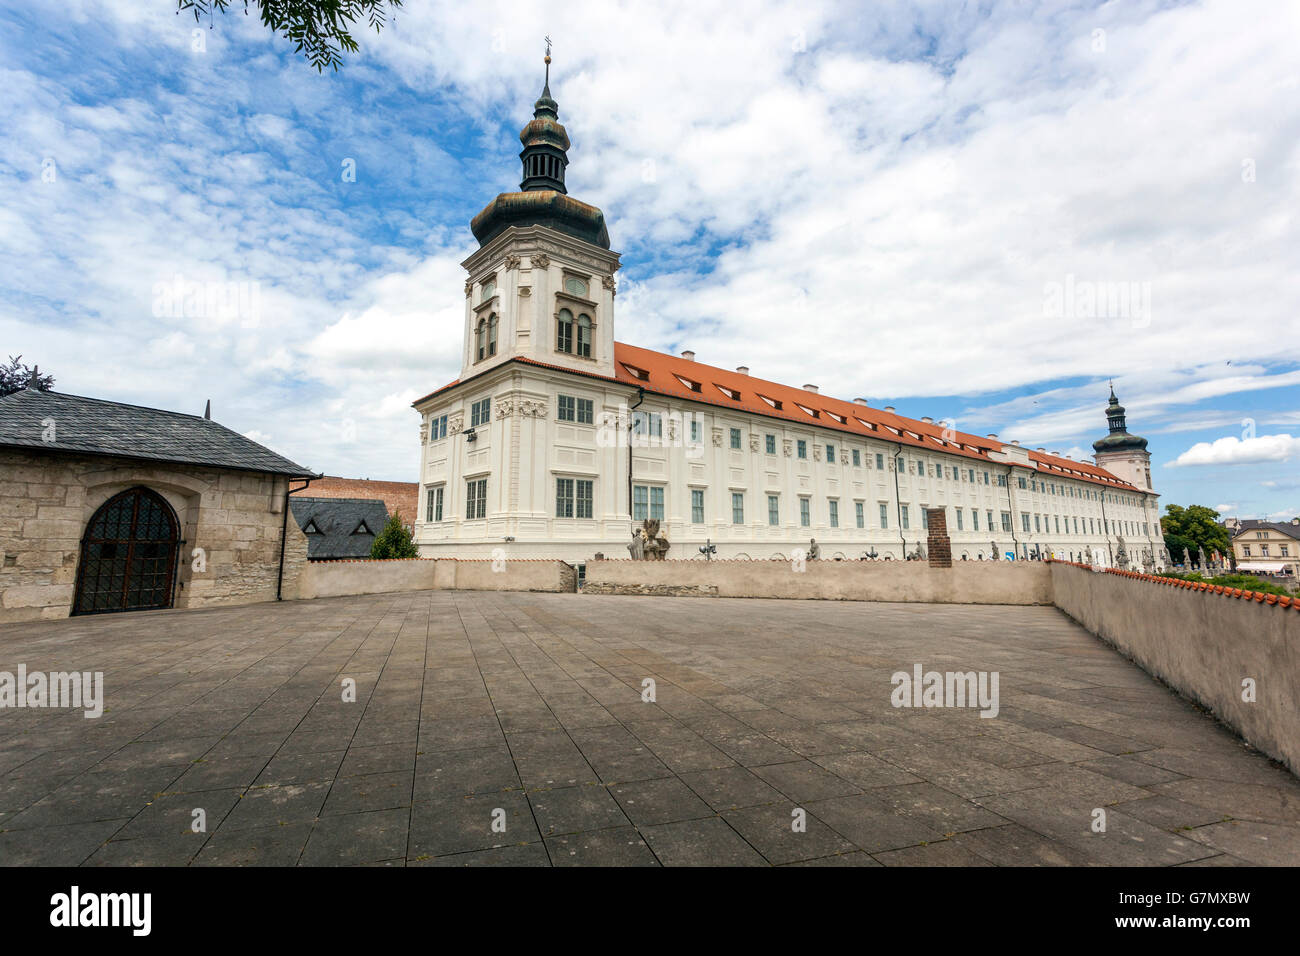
(93,426)
(336,520)
(1281,527)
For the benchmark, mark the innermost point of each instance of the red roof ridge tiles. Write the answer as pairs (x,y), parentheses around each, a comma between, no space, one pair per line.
(1273,600)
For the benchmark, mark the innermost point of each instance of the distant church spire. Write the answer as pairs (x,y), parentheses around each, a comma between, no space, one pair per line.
(546,143)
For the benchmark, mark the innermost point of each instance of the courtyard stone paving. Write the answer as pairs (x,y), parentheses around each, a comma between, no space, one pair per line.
(527,708)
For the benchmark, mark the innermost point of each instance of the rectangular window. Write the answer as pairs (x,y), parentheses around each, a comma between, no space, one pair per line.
(974,520)
(925,518)
(1024,521)
(1020,482)
(1006,521)
(880,461)
(480,412)
(564,497)
(834,507)
(986,477)
(902,511)
(476,499)
(568,409)
(972,476)
(1037,525)
(737,507)
(830,454)
(1286,549)
(586,412)
(1263,551)
(1057,521)
(1002,481)
(433,504)
(1076,525)
(857,458)
(769,444)
(801,447)
(805,512)
(735,438)
(697,506)
(648,424)
(860,514)
(573,498)
(695,433)
(438,428)
(959,524)
(647,502)
(884,516)
(774,510)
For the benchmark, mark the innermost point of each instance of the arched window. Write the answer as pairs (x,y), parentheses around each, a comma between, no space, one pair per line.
(480,339)
(492,334)
(584,335)
(564,331)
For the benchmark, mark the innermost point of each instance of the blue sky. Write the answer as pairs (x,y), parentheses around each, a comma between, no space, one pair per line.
(922,204)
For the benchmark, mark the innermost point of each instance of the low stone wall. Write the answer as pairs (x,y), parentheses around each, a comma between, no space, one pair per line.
(966,582)
(340,578)
(1203,641)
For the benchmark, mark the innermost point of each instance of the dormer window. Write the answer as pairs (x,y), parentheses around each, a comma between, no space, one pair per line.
(362,529)
(311,527)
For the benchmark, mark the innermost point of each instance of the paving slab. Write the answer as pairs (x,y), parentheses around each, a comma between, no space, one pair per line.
(477,710)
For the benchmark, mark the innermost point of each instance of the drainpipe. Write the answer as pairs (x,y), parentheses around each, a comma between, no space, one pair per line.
(1012,505)
(284,530)
(1105,526)
(898,505)
(640,397)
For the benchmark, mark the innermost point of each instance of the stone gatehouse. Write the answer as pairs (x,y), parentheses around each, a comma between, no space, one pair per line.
(111,507)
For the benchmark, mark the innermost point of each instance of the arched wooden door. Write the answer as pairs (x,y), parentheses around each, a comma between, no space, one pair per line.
(128,555)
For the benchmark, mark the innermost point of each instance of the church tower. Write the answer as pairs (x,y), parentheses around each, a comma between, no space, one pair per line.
(1123,455)
(541,285)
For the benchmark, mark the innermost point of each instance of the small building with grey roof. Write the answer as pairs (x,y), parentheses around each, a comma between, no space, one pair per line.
(106,506)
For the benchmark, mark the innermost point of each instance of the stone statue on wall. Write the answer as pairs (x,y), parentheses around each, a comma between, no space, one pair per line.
(814,549)
(636,547)
(656,545)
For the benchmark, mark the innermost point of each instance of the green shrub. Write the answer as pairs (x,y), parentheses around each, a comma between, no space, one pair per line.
(394,541)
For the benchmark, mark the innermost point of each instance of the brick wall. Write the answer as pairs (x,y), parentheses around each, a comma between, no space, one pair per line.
(400,496)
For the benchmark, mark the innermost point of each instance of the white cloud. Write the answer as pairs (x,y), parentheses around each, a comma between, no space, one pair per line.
(1237,451)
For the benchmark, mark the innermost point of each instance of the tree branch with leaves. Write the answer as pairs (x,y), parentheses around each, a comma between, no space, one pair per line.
(318,28)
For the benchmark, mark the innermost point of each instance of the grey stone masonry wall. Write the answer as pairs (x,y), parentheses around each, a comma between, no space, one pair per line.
(234,517)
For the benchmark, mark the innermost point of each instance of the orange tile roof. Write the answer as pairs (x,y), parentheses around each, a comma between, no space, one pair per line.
(670,375)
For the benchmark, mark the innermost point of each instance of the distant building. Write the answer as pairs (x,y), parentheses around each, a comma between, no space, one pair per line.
(338,528)
(1268,547)
(112,507)
(399,497)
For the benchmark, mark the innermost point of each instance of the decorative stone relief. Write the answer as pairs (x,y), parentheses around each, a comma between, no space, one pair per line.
(753,442)
(424,433)
(817,452)
(787,445)
(455,425)
(512,262)
(672,428)
(540,261)
(469,287)
(717,437)
(505,407)
(525,291)
(608,283)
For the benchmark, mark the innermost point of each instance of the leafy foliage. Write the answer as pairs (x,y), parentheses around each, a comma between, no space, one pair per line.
(318,28)
(15,376)
(1195,526)
(1246,582)
(394,541)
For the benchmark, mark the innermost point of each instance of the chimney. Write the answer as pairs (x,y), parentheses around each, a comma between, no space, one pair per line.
(927,419)
(890,409)
(207,411)
(1015,441)
(688,355)
(859,401)
(993,435)
(1041,451)
(811,388)
(742,369)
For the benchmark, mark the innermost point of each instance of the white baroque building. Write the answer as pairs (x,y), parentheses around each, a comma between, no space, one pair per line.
(556,439)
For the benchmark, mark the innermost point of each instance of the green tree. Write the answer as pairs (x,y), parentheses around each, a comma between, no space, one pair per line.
(15,376)
(1193,527)
(394,541)
(319,28)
